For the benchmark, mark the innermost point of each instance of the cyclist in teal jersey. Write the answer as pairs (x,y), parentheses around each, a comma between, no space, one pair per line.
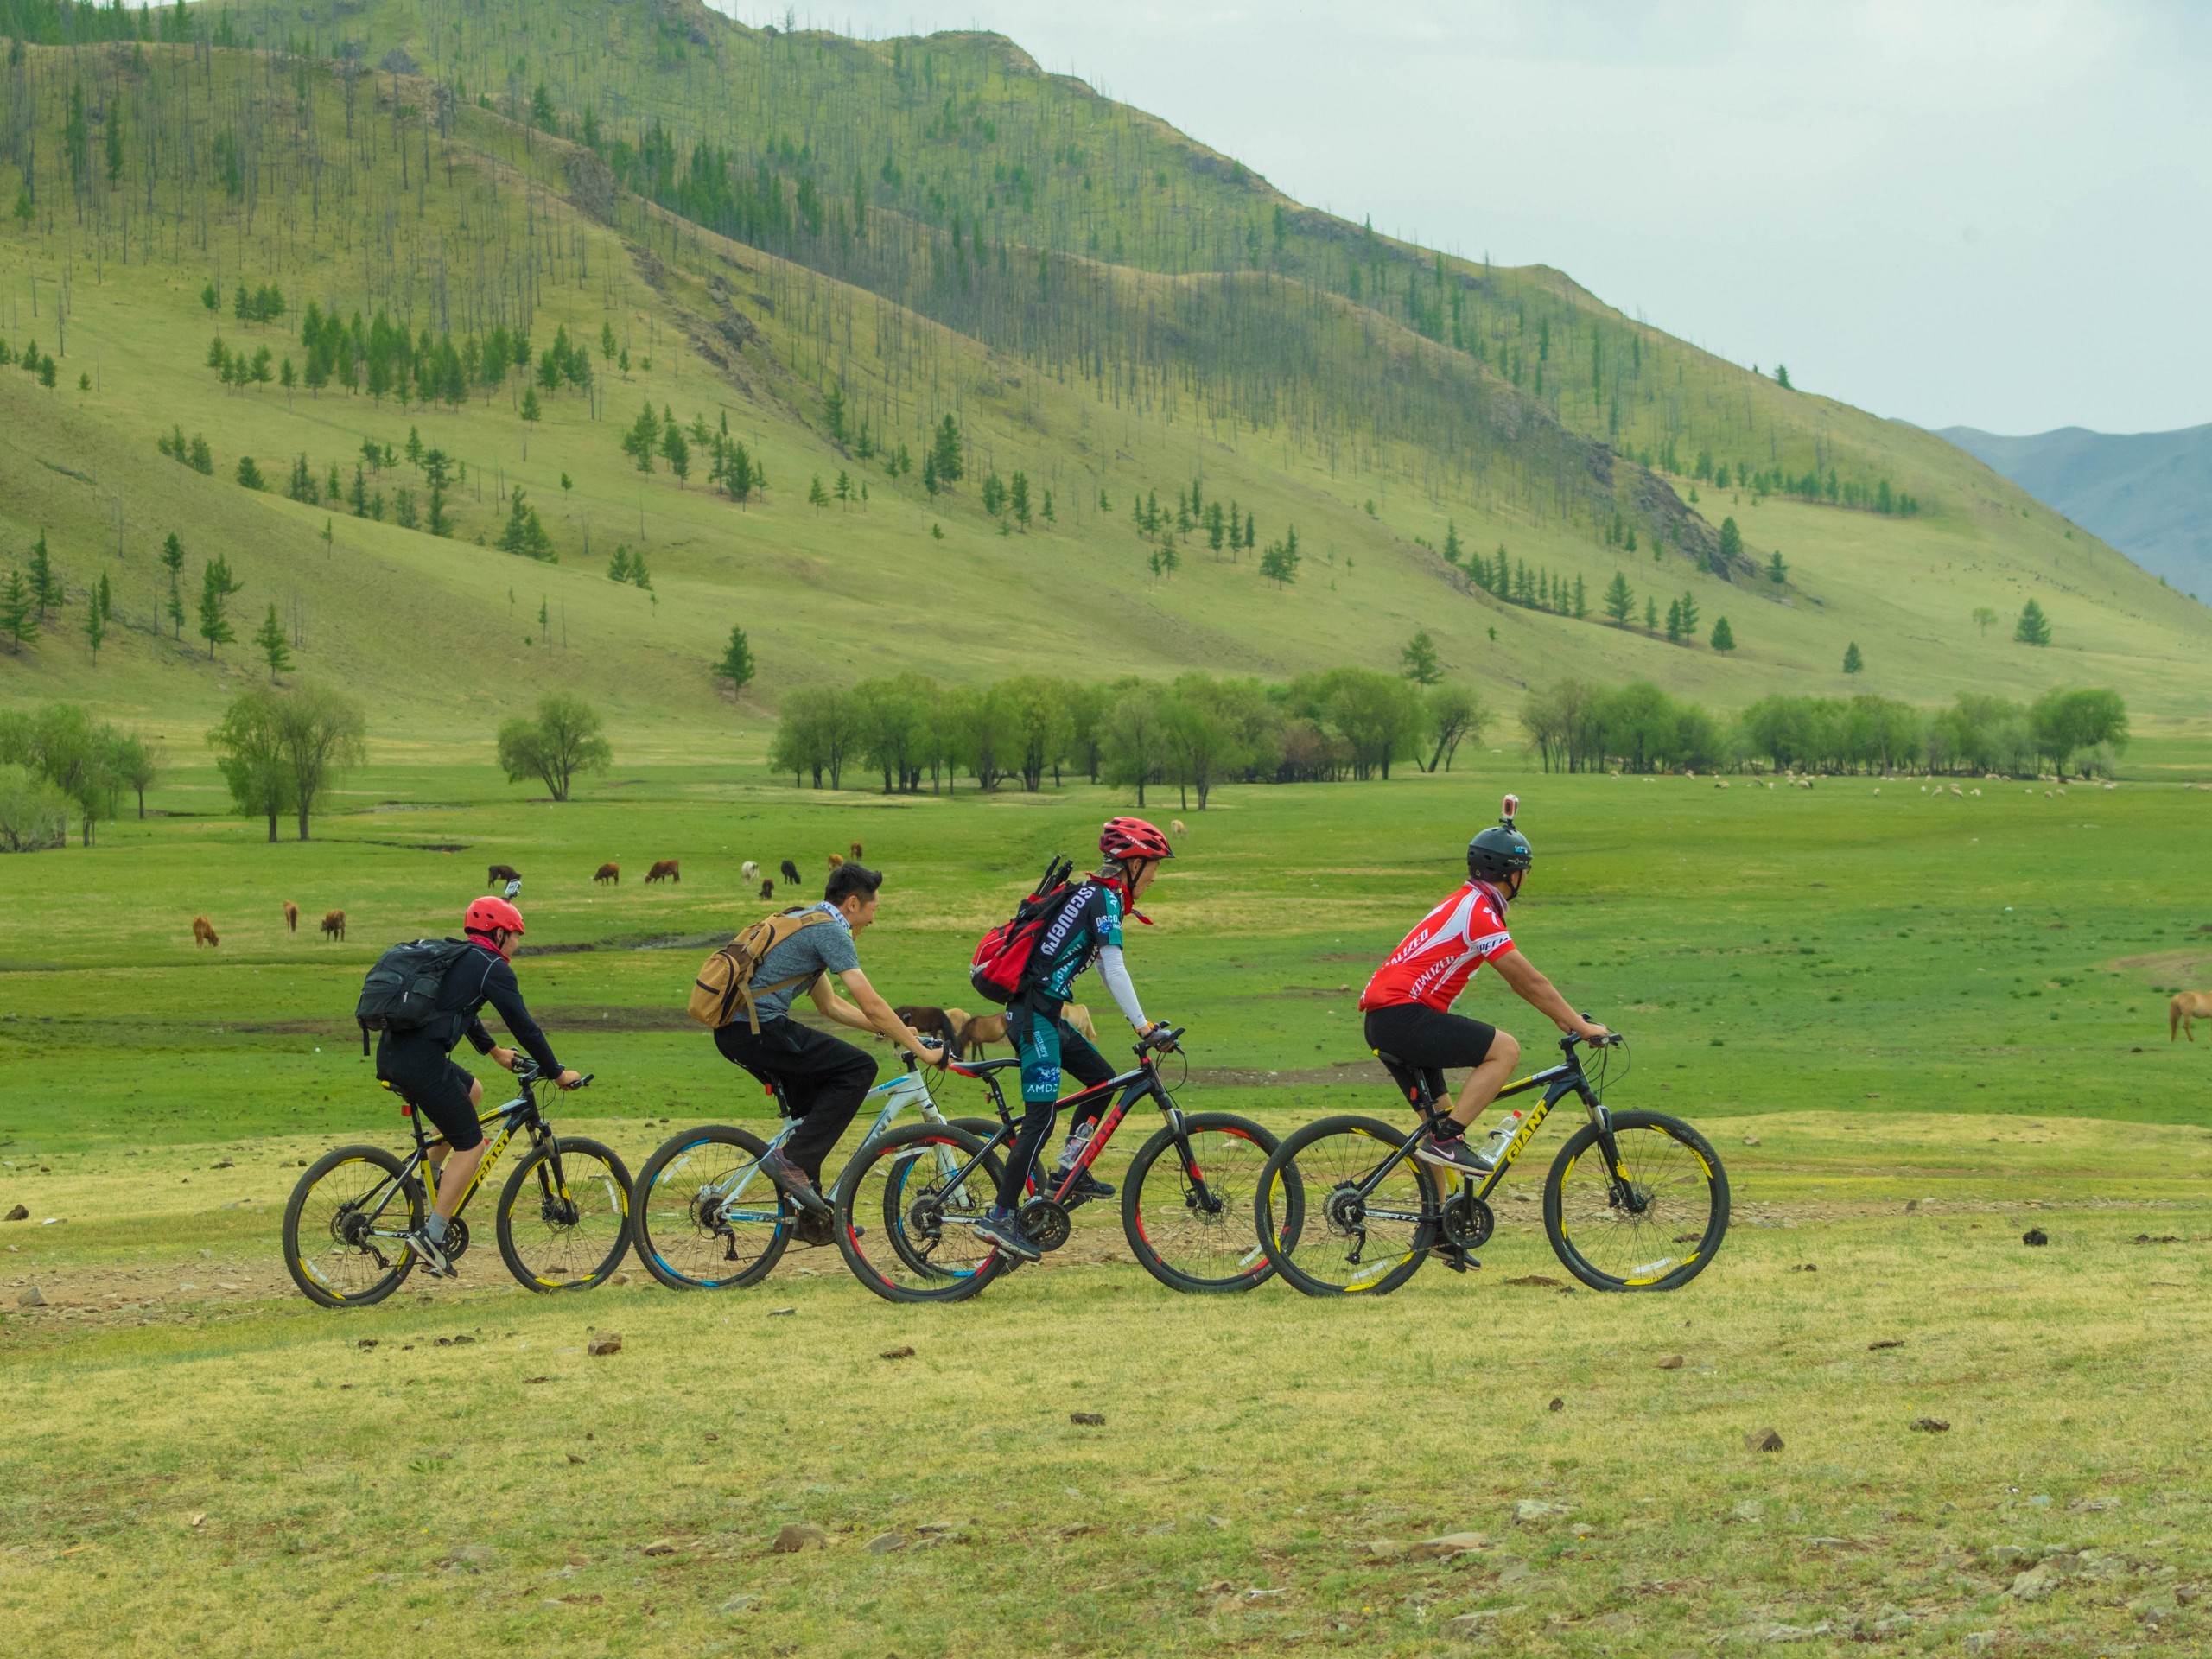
(1086,928)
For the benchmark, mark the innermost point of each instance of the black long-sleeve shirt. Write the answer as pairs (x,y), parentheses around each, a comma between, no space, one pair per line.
(484,975)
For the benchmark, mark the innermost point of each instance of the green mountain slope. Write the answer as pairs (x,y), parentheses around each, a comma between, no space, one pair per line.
(832,245)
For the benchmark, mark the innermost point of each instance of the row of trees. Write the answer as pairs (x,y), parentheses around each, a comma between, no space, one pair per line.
(57,757)
(1574,726)
(1193,732)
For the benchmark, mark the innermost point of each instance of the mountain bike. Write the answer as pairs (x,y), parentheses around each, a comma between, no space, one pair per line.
(1634,1201)
(907,1204)
(563,1221)
(707,1217)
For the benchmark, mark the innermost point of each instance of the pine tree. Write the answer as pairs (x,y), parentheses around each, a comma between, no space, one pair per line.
(1853,664)
(1723,637)
(833,414)
(2033,627)
(618,568)
(216,586)
(950,465)
(1581,608)
(1452,550)
(1018,493)
(1732,543)
(1689,616)
(301,486)
(1777,571)
(249,474)
(929,473)
(1650,615)
(530,409)
(1674,622)
(18,607)
(677,450)
(817,497)
(203,459)
(98,608)
(274,649)
(1619,601)
(736,668)
(639,575)
(644,436)
(173,562)
(1420,657)
(45,589)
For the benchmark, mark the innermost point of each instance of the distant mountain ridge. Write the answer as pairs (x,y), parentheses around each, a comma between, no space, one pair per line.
(2148,493)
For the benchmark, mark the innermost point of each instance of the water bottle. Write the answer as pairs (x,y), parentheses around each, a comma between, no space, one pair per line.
(1495,1143)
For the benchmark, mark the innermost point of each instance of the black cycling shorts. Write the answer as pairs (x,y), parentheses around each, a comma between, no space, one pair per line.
(430,1081)
(1428,1039)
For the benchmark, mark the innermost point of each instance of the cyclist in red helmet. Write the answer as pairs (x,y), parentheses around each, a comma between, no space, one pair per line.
(418,1061)
(1084,929)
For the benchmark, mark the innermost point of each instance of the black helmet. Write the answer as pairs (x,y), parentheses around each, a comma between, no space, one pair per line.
(1499,852)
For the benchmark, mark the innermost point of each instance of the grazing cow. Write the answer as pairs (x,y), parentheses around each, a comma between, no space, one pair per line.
(2184,1011)
(203,933)
(1078,1016)
(768,889)
(931,1022)
(836,860)
(856,852)
(334,925)
(1176,825)
(500,873)
(665,870)
(791,874)
(609,872)
(749,870)
(980,1032)
(291,917)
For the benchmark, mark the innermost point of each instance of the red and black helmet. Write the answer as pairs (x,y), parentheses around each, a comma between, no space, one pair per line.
(1127,838)
(487,913)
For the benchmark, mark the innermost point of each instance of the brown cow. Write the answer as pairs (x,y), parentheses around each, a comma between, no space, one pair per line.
(500,873)
(203,933)
(291,917)
(856,852)
(1078,1016)
(768,889)
(609,872)
(665,870)
(931,1022)
(334,925)
(834,861)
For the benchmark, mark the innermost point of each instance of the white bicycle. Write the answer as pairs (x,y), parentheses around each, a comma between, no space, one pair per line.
(707,1220)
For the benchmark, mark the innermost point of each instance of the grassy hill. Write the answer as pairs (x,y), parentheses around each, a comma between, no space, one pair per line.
(831,245)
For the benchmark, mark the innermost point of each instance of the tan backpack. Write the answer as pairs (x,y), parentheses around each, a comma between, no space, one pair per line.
(725,981)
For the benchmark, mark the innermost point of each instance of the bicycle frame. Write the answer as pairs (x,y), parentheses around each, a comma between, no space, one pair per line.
(1557,1082)
(518,1114)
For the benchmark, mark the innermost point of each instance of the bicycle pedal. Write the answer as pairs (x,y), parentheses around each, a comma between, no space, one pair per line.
(1457,1259)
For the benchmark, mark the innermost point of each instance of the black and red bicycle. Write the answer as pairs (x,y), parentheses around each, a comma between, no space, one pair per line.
(908,1203)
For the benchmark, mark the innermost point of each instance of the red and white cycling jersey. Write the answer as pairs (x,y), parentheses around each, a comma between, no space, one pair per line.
(1437,959)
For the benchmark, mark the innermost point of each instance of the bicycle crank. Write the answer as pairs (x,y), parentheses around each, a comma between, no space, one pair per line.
(1467,1221)
(456,1244)
(1046,1223)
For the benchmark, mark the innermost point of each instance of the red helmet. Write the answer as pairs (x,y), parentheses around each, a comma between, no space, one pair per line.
(1127,838)
(487,913)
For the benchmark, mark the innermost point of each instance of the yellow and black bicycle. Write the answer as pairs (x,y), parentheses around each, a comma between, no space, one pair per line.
(564,1219)
(1634,1200)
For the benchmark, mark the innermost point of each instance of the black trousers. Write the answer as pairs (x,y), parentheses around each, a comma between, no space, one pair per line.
(1078,1057)
(824,1080)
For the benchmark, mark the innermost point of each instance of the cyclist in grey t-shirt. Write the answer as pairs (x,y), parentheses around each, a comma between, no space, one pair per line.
(824,1079)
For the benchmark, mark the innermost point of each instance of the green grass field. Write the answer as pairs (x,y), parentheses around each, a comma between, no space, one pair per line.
(1914,1024)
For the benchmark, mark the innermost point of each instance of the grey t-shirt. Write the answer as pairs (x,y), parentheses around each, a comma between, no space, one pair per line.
(825,947)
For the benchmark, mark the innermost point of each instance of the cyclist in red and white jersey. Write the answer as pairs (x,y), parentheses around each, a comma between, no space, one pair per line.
(1408,1001)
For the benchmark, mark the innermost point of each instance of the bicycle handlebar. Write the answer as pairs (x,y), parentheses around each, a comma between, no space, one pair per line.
(1162,1042)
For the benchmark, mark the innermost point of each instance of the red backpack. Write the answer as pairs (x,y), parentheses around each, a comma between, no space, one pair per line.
(1000,966)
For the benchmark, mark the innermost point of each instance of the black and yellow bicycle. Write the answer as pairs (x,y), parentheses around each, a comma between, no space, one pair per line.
(562,1221)
(1634,1200)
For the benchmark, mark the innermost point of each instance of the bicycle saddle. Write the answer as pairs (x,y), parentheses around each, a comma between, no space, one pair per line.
(977,1068)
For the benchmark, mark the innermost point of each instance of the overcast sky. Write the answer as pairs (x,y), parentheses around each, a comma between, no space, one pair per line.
(1996,213)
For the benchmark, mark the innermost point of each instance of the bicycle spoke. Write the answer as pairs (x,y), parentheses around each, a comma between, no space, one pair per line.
(345,1228)
(710,1214)
(1193,1208)
(1353,1236)
(569,1223)
(916,1217)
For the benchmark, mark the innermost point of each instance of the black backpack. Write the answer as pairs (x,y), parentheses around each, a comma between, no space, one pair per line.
(401,992)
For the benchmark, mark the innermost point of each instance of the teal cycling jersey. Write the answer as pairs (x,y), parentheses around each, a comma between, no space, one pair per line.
(1087,921)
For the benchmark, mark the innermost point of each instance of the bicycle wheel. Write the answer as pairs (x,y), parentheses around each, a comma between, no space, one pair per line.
(906,1207)
(706,1217)
(565,1215)
(1318,1229)
(1652,1225)
(1186,1203)
(345,1228)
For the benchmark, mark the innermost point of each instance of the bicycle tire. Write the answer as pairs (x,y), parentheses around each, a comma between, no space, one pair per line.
(590,1205)
(323,1236)
(1650,1266)
(1301,1200)
(894,1250)
(1246,1264)
(673,1234)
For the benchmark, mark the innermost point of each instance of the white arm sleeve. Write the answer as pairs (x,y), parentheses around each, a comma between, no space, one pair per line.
(1115,973)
